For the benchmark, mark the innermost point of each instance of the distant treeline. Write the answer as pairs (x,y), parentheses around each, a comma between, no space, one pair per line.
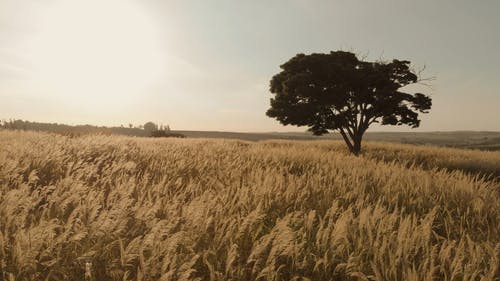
(147,130)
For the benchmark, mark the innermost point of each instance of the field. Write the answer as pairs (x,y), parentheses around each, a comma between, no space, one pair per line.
(479,140)
(127,208)
(459,139)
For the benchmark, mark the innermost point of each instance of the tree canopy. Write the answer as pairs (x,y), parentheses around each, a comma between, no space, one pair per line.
(150,127)
(338,91)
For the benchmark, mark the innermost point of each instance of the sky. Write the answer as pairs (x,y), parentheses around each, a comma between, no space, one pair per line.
(206,65)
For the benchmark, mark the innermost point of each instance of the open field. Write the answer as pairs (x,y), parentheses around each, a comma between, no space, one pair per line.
(126,208)
(460,139)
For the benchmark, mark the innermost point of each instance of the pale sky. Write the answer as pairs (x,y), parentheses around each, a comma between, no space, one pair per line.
(206,65)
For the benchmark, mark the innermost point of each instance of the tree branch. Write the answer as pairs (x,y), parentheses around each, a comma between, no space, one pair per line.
(346,139)
(351,133)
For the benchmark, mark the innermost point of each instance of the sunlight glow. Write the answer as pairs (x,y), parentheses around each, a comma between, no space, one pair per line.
(100,51)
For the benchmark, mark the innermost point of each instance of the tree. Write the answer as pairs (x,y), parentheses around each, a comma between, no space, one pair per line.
(338,91)
(150,127)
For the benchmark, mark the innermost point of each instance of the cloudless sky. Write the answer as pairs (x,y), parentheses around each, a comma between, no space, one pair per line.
(206,65)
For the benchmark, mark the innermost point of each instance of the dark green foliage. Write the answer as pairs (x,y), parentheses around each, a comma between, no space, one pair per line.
(70,130)
(150,127)
(337,91)
(166,134)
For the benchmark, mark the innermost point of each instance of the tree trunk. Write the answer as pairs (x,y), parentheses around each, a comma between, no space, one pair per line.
(354,142)
(347,141)
(356,147)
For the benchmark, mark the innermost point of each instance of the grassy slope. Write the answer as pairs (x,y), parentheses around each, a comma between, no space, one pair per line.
(482,140)
(461,139)
(149,209)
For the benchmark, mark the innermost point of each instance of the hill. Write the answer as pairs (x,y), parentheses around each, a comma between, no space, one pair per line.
(461,139)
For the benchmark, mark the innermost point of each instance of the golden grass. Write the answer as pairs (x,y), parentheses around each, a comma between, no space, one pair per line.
(120,208)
